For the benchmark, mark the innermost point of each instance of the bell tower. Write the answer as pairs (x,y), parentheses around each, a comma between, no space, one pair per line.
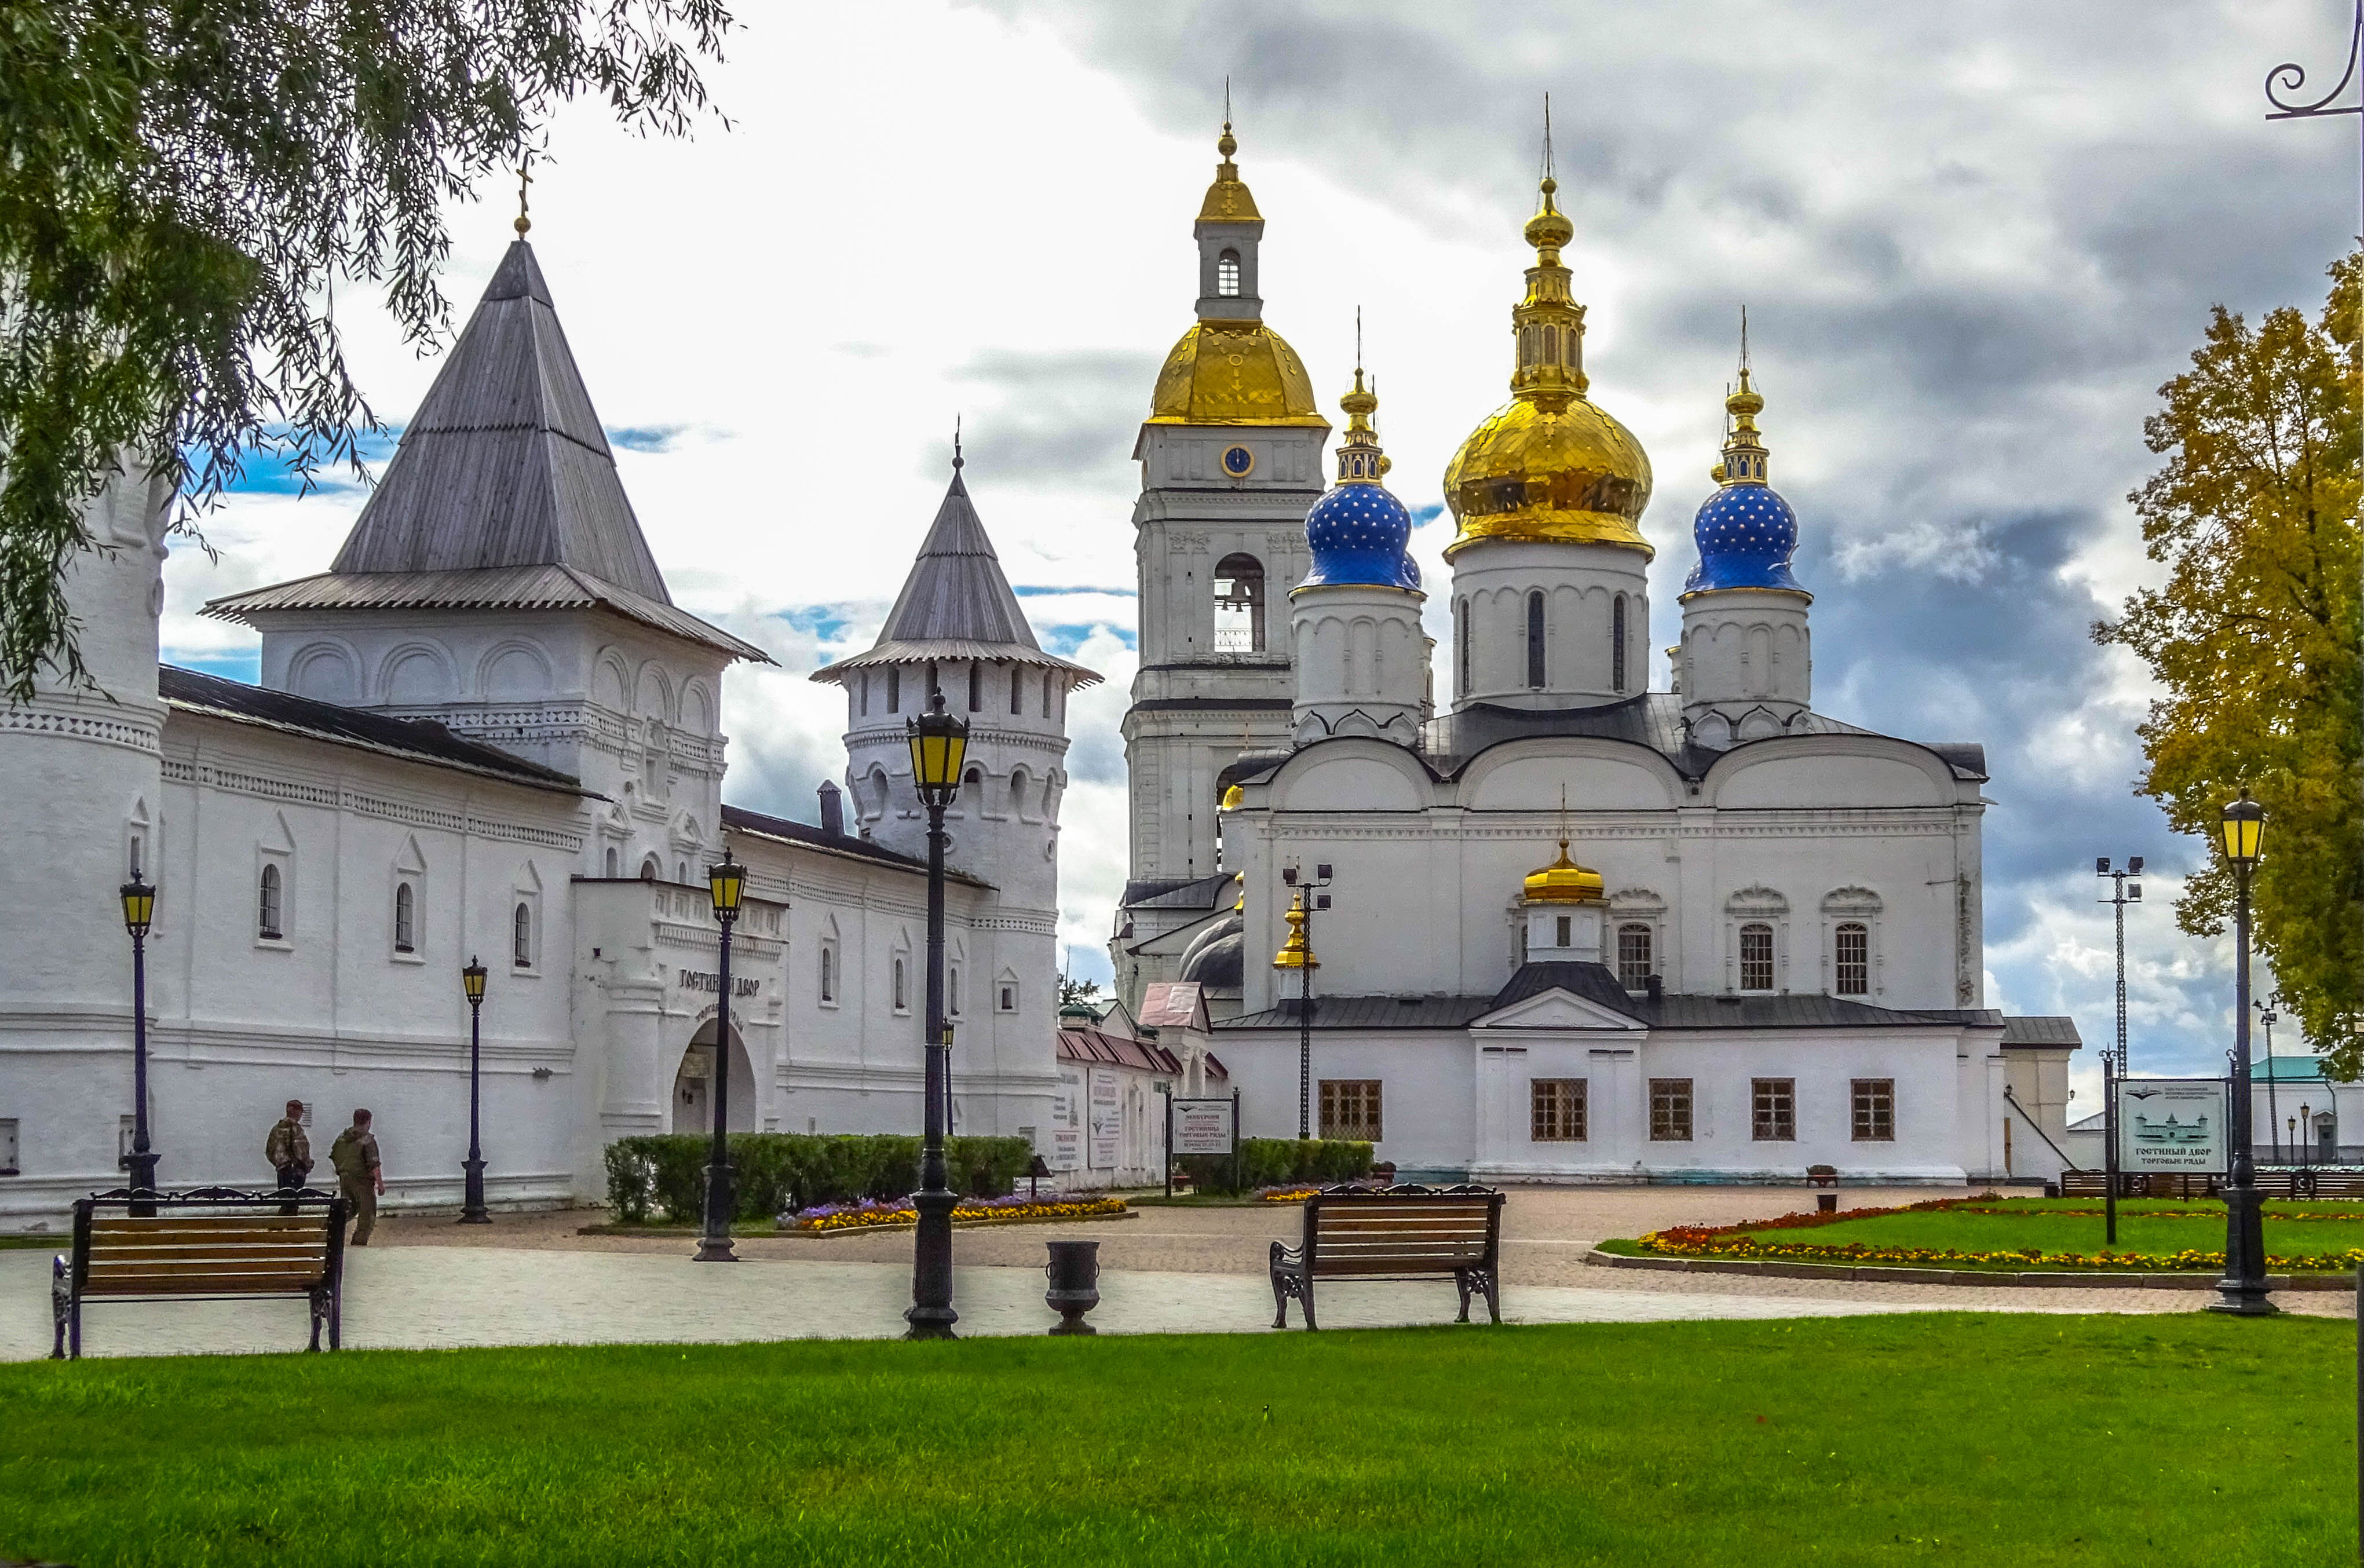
(1230,459)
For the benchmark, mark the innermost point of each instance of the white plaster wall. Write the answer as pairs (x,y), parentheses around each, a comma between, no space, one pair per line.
(1746,662)
(1491,580)
(1361,663)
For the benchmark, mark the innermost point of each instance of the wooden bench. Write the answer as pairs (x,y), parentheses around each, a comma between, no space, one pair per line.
(1394,1233)
(210,1244)
(2299,1181)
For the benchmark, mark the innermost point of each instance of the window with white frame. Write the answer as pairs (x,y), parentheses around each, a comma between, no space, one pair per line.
(1634,955)
(1773,1110)
(828,973)
(1556,1110)
(1226,274)
(902,995)
(521,934)
(270,897)
(1851,959)
(1670,1110)
(951,991)
(1350,1109)
(405,917)
(1006,995)
(1757,957)
(1874,1107)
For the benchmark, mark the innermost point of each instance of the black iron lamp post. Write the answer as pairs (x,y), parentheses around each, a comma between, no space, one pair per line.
(726,882)
(139,914)
(2243,1288)
(472,1210)
(939,745)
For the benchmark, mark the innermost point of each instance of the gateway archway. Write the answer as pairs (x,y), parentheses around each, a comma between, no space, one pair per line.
(692,1085)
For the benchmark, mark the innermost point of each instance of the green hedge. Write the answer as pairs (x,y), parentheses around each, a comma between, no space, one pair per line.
(1275,1162)
(664,1176)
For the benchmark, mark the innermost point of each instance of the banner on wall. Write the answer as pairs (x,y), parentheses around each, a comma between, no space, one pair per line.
(1106,1119)
(1066,1144)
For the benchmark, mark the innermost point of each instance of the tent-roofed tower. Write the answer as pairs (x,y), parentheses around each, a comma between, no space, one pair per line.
(956,626)
(497,583)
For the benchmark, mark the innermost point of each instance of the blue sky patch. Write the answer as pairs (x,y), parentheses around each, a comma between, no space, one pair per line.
(646,438)
(268,473)
(234,664)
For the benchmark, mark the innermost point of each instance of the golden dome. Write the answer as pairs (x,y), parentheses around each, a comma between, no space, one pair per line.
(1550,465)
(1228,199)
(1294,953)
(1233,373)
(1565,882)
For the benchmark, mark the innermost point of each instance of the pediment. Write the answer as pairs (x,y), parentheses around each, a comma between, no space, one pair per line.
(1556,1009)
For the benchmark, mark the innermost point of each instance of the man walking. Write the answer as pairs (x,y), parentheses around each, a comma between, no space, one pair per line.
(359,1175)
(289,1151)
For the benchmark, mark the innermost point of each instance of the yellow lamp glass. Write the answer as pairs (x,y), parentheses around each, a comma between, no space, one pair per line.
(2245,831)
(472,980)
(138,906)
(727,880)
(939,746)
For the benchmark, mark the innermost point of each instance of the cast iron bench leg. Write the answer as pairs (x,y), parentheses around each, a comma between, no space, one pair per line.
(60,1296)
(1461,1279)
(320,1311)
(1493,1293)
(336,1317)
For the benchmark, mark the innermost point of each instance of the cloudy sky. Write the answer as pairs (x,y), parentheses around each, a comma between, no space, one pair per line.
(1972,242)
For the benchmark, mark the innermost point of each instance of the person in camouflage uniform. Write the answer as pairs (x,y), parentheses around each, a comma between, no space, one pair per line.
(359,1176)
(289,1151)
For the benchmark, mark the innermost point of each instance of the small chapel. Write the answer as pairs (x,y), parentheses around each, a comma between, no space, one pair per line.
(485,733)
(1550,923)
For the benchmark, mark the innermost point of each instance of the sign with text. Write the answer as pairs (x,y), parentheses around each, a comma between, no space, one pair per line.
(1106,1119)
(1203,1127)
(1066,1143)
(2173,1124)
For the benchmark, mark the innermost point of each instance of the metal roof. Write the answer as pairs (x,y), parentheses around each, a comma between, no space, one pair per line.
(412,739)
(489,588)
(2040,1030)
(955,604)
(738,819)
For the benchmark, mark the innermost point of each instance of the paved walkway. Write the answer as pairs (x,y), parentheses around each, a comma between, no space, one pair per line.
(533,1279)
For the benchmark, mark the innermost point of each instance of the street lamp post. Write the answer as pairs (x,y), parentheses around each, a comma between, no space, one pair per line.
(725,880)
(939,745)
(471,1209)
(139,914)
(2273,1109)
(1296,953)
(2243,1288)
(2123,894)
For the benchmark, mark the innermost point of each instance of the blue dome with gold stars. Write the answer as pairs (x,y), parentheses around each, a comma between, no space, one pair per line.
(1358,531)
(1745,532)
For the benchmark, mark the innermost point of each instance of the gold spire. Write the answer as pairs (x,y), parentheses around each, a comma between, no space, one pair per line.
(1550,465)
(1294,953)
(1564,882)
(525,178)
(1360,460)
(1744,444)
(1228,200)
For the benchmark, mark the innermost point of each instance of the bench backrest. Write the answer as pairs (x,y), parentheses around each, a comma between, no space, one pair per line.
(204,1251)
(1400,1231)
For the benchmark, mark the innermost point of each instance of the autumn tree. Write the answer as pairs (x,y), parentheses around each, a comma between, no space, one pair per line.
(2255,637)
(187,186)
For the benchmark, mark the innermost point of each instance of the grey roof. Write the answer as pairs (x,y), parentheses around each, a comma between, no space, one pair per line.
(1451,741)
(412,739)
(505,464)
(492,588)
(738,819)
(1221,963)
(2026,1030)
(1178,892)
(502,496)
(1594,983)
(956,603)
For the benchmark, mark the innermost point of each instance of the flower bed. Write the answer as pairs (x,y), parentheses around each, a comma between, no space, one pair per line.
(827,1218)
(1743,1242)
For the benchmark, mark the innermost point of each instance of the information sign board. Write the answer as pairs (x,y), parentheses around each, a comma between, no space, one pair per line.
(1203,1127)
(1106,1119)
(2173,1124)
(1066,1150)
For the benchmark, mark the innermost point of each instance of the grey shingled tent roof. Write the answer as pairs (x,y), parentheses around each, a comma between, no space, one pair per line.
(503,493)
(956,603)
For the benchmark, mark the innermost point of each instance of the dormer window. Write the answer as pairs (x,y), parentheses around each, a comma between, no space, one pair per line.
(1226,274)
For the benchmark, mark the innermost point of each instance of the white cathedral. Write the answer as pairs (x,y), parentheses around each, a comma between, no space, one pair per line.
(1561,926)
(1567,928)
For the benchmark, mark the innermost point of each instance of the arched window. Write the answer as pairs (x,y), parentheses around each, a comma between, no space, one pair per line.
(268,890)
(1633,957)
(902,1003)
(1853,955)
(1617,644)
(613,864)
(1535,639)
(862,683)
(1551,345)
(521,936)
(681,872)
(1757,957)
(1239,605)
(650,870)
(1563,934)
(1017,691)
(894,691)
(1226,274)
(951,991)
(975,685)
(405,917)
(828,976)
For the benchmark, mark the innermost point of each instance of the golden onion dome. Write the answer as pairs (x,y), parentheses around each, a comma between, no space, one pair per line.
(1565,882)
(1233,373)
(1550,465)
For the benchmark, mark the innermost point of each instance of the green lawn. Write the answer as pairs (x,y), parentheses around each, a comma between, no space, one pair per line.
(2155,1226)
(2004,1439)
